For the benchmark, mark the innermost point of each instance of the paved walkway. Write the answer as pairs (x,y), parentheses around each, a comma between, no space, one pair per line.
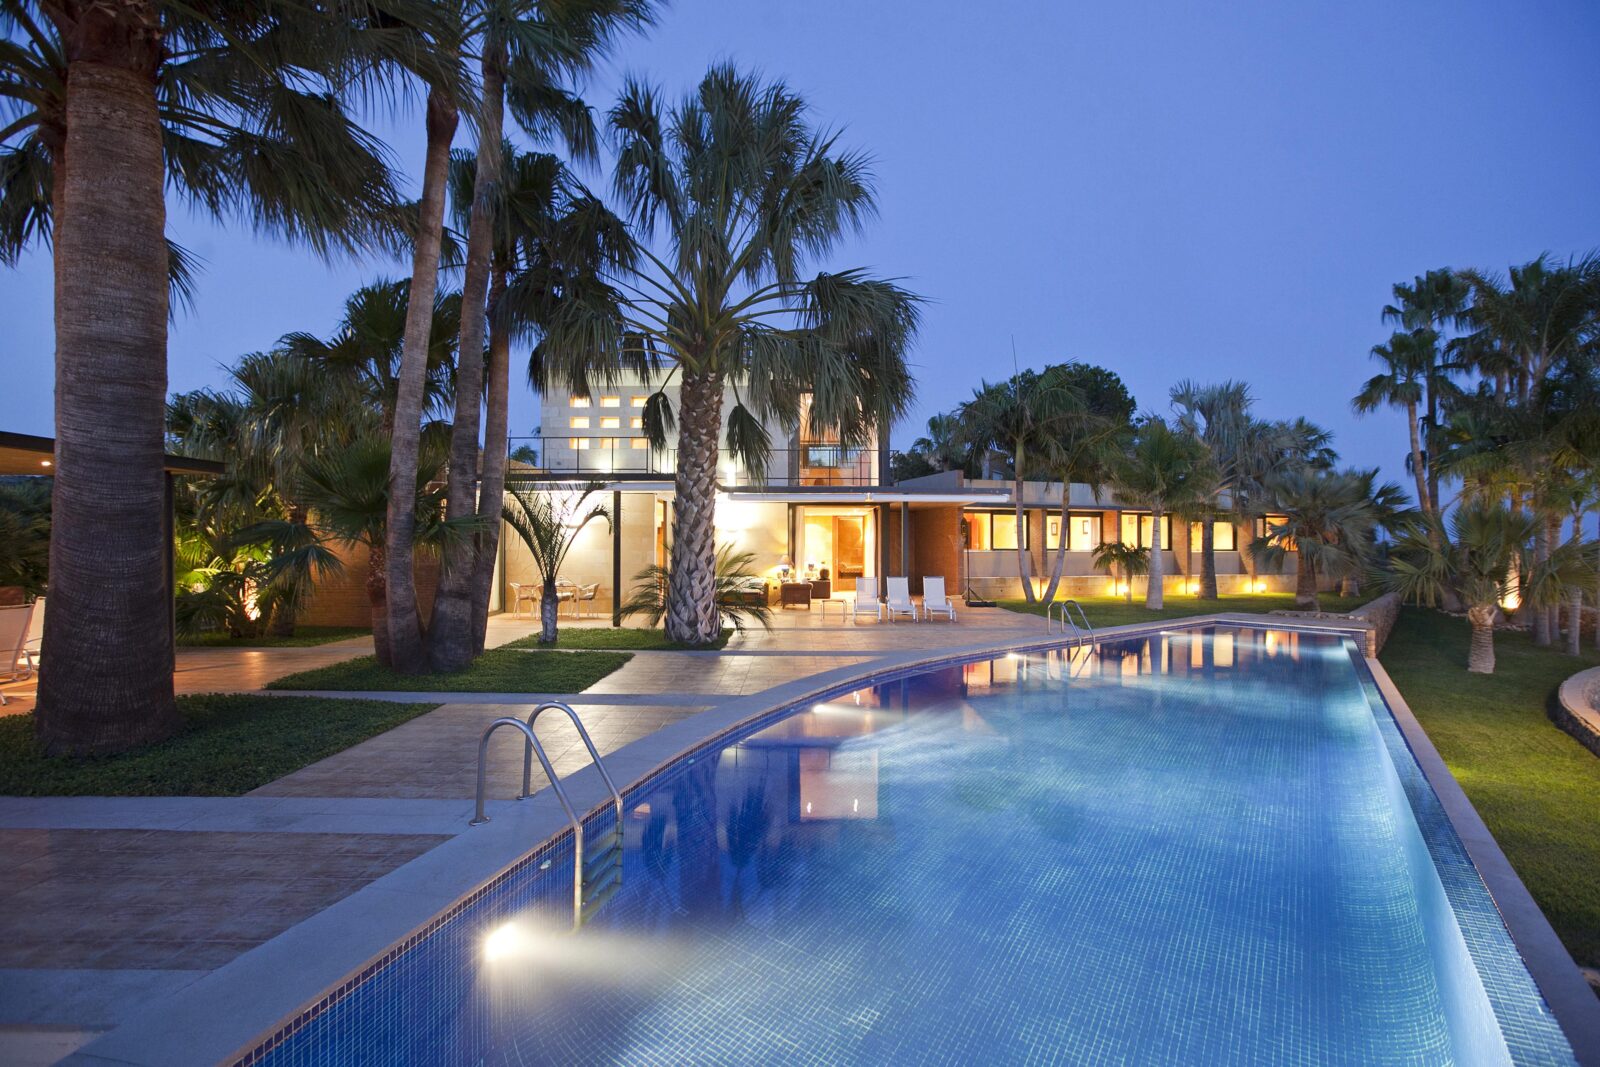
(112,902)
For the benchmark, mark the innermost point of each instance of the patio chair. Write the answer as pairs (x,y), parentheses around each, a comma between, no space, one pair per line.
(934,601)
(35,639)
(866,599)
(523,594)
(900,602)
(584,594)
(566,592)
(14,663)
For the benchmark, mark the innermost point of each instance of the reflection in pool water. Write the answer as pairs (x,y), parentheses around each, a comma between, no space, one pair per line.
(1192,847)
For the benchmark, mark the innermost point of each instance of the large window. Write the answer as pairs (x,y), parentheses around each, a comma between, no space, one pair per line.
(1083,531)
(992,531)
(1138,530)
(1221,534)
(1272,522)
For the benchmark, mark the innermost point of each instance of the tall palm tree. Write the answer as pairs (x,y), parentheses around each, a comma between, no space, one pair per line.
(1024,418)
(528,52)
(1436,301)
(1086,445)
(1219,415)
(1408,360)
(1165,471)
(1486,559)
(743,192)
(1526,328)
(234,105)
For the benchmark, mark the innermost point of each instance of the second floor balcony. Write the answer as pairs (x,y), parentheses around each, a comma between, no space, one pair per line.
(810,463)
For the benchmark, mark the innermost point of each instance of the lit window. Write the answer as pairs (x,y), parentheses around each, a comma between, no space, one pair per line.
(579,422)
(1005,531)
(636,423)
(1221,536)
(1136,530)
(638,401)
(611,401)
(610,422)
(581,444)
(578,401)
(608,442)
(1273,522)
(638,444)
(1083,532)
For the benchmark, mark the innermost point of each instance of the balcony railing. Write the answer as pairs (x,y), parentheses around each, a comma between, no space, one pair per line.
(815,463)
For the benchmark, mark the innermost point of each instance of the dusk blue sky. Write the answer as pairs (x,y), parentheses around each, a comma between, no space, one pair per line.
(1169,190)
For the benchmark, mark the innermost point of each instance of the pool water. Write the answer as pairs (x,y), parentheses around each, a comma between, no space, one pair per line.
(1203,847)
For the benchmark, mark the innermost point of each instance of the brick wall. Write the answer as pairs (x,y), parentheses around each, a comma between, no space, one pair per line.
(936,545)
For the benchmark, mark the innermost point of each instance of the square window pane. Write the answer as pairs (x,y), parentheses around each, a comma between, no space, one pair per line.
(638,401)
(1083,533)
(978,532)
(579,422)
(1005,531)
(578,401)
(611,401)
(610,422)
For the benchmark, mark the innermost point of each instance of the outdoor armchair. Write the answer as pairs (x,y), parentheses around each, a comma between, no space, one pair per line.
(900,602)
(934,600)
(866,602)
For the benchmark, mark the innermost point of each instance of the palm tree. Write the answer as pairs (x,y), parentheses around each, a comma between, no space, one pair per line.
(1489,545)
(943,449)
(1408,360)
(1219,415)
(234,105)
(744,190)
(1122,561)
(347,493)
(528,51)
(1165,471)
(1526,330)
(25,533)
(1024,415)
(363,355)
(734,604)
(1436,301)
(549,520)
(1086,445)
(1331,520)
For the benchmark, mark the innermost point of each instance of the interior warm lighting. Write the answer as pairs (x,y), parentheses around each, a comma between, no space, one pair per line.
(502,942)
(44,463)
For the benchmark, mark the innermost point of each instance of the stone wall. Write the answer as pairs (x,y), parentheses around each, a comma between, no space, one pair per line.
(341,599)
(1381,614)
(1576,708)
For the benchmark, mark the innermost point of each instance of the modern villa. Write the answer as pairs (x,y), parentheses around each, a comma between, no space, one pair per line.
(828,513)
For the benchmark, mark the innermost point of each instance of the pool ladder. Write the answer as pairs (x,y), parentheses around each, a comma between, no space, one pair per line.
(1079,633)
(597,874)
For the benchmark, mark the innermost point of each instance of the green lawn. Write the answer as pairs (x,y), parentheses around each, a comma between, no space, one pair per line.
(628,637)
(229,745)
(1116,611)
(304,637)
(499,670)
(1536,788)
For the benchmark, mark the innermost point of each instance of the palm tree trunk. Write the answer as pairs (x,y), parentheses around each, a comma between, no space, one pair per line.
(450,632)
(1061,546)
(1480,654)
(1553,610)
(378,602)
(1208,559)
(1022,532)
(1154,594)
(1305,583)
(692,616)
(405,621)
(1574,621)
(1433,428)
(491,491)
(1417,472)
(549,611)
(109,591)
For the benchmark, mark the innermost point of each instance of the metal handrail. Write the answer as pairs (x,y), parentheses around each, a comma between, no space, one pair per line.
(532,745)
(1050,620)
(1084,618)
(588,743)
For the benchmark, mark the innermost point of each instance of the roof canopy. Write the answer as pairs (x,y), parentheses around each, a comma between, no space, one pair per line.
(22,453)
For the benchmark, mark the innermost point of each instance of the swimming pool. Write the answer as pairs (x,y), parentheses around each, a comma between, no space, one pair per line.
(1197,847)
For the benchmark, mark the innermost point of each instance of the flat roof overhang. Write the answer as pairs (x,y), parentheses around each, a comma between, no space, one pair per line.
(23,453)
(888,495)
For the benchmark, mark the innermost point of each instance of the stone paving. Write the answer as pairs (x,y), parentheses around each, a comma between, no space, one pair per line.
(114,901)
